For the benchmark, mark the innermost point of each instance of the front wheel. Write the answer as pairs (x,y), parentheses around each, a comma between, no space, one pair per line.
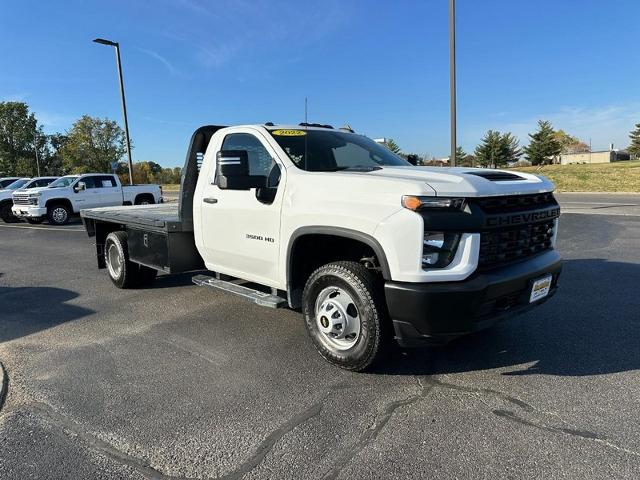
(345,316)
(58,214)
(6,214)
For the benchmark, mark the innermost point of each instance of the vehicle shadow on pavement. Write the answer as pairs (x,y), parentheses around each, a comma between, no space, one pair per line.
(590,327)
(172,281)
(27,310)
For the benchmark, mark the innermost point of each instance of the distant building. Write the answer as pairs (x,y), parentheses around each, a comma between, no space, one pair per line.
(600,156)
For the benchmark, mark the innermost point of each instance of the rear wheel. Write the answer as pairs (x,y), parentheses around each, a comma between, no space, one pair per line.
(123,272)
(144,200)
(345,316)
(58,214)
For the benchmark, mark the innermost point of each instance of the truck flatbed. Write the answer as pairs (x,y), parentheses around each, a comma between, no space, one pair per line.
(161,218)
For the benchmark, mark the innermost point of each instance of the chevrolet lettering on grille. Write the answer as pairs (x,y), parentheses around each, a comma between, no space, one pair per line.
(521,218)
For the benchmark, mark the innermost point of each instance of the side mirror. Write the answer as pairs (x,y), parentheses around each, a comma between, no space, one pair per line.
(232,171)
(79,187)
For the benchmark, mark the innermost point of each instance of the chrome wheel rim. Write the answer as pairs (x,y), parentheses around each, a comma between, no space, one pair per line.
(114,262)
(59,215)
(337,319)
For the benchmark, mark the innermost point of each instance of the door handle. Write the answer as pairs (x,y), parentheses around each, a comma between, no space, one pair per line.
(210,200)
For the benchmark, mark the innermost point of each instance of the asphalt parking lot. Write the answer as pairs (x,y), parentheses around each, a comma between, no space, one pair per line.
(176,381)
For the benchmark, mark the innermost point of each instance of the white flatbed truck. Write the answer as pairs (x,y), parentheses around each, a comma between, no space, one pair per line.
(367,246)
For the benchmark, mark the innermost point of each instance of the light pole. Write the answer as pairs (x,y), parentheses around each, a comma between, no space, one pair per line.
(124,104)
(452,76)
(35,141)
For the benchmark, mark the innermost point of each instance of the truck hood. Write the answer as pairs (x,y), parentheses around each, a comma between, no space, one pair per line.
(465,182)
(40,189)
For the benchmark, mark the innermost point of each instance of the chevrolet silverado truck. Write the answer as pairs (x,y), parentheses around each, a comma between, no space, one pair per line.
(71,193)
(19,185)
(367,246)
(6,181)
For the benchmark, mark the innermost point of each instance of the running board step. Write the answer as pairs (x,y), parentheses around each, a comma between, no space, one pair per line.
(258,297)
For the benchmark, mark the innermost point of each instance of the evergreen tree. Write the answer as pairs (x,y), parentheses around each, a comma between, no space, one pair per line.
(634,147)
(493,151)
(543,144)
(512,146)
(392,145)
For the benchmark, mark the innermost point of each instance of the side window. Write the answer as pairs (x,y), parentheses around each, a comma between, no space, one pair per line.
(106,181)
(90,182)
(260,162)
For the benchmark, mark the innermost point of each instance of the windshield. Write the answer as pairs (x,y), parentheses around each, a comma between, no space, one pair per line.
(63,182)
(17,184)
(332,150)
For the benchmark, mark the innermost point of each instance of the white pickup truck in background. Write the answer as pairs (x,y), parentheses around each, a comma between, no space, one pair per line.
(71,193)
(19,184)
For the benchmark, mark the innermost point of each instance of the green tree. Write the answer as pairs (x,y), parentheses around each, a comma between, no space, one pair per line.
(92,145)
(493,151)
(634,147)
(569,143)
(52,164)
(512,146)
(392,145)
(18,129)
(543,145)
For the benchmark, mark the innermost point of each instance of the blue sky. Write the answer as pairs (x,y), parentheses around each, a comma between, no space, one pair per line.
(380,66)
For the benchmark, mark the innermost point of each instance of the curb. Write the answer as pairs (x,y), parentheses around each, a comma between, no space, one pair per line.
(4,380)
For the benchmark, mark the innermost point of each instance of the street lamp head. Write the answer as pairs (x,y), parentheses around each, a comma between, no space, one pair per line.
(105,42)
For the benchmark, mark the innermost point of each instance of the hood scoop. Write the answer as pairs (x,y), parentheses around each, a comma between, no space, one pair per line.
(497,176)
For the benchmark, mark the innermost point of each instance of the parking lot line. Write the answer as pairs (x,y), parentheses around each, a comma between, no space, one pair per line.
(44,228)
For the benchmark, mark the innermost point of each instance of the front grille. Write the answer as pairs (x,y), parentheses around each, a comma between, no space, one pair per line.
(21,200)
(515,203)
(505,246)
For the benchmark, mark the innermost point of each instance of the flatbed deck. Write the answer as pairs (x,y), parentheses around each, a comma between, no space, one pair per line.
(161,218)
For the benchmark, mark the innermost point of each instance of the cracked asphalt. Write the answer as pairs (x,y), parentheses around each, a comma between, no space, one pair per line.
(180,382)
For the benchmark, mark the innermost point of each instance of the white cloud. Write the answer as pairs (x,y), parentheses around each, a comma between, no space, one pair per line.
(603,124)
(169,66)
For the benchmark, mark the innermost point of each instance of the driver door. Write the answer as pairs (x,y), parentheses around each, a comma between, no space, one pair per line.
(84,198)
(241,228)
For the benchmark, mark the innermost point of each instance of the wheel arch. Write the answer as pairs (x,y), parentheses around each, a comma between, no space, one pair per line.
(141,196)
(65,201)
(298,267)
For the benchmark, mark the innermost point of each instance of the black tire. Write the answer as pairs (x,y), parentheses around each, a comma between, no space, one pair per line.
(144,200)
(126,274)
(365,290)
(58,214)
(34,220)
(6,214)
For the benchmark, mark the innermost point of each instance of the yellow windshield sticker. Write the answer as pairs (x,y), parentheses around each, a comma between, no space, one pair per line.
(289,133)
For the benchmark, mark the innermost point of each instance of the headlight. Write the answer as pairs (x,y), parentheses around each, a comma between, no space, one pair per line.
(439,249)
(33,199)
(416,203)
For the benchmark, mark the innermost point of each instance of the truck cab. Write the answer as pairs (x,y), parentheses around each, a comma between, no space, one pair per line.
(366,245)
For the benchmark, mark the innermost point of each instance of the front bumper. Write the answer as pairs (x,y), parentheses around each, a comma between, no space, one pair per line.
(28,211)
(434,313)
